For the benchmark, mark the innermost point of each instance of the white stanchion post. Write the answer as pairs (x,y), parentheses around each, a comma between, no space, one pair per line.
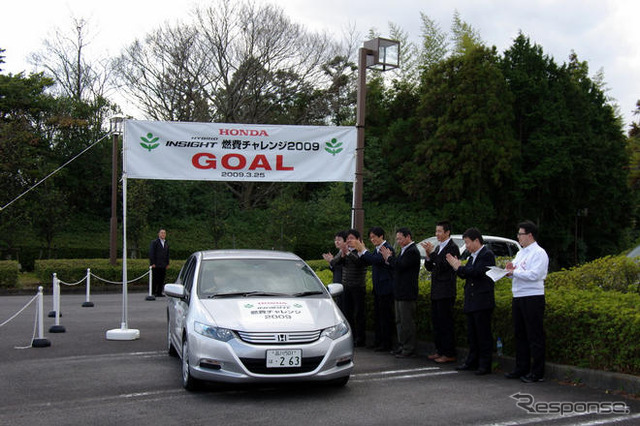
(40,341)
(150,296)
(52,313)
(88,303)
(56,327)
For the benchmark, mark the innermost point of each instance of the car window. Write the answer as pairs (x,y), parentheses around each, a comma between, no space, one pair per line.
(189,274)
(499,248)
(183,270)
(222,276)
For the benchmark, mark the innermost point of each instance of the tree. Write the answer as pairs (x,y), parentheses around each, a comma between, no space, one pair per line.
(464,162)
(571,179)
(165,74)
(65,59)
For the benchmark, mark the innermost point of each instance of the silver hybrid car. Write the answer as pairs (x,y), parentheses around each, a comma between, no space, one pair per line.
(256,316)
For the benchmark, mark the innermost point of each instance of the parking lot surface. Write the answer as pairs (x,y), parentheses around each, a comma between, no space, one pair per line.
(83,378)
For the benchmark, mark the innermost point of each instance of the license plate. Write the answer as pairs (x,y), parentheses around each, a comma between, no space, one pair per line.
(285,358)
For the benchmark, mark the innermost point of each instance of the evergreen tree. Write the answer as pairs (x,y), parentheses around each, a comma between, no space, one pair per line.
(463,165)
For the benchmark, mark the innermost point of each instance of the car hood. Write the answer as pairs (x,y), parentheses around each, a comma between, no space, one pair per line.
(269,313)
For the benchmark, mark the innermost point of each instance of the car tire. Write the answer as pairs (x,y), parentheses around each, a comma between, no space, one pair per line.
(338,383)
(189,382)
(170,348)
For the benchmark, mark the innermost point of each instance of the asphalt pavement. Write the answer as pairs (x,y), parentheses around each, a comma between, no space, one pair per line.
(83,378)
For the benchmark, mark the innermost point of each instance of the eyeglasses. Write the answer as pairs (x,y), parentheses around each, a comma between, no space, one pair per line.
(522,233)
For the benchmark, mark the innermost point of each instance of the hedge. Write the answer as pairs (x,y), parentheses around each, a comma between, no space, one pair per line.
(9,270)
(593,328)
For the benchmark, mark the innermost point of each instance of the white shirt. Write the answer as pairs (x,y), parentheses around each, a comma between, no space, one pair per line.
(531,265)
(443,244)
(475,254)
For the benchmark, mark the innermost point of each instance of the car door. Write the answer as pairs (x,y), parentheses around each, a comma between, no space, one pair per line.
(181,306)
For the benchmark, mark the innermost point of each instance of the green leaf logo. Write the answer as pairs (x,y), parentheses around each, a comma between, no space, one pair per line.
(333,147)
(149,142)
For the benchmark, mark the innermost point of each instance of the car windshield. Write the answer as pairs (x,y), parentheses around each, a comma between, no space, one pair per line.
(257,277)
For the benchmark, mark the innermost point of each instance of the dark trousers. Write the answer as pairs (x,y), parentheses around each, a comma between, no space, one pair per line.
(528,315)
(442,320)
(354,309)
(157,282)
(384,320)
(480,339)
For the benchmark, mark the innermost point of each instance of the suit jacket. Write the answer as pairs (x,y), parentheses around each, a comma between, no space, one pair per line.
(159,255)
(381,272)
(478,290)
(443,277)
(406,269)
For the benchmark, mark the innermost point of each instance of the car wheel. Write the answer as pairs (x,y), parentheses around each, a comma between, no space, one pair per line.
(170,348)
(188,381)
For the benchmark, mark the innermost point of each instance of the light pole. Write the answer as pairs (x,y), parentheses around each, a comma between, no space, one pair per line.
(379,54)
(115,129)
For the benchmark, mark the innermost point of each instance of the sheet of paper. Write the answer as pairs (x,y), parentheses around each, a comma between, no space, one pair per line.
(495,273)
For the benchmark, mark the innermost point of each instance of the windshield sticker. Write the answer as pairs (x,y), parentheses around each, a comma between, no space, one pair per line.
(276,311)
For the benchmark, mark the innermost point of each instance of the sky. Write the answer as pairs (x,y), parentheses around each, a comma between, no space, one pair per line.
(601,32)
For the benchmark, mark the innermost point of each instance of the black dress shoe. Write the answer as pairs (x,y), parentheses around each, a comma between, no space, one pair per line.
(482,372)
(464,367)
(513,375)
(531,378)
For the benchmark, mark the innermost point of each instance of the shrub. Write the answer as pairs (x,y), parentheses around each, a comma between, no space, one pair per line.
(9,270)
(618,273)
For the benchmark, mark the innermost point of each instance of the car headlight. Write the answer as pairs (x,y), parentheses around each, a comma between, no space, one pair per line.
(217,333)
(336,331)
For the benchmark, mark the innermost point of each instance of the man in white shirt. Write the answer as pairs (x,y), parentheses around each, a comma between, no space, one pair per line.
(528,271)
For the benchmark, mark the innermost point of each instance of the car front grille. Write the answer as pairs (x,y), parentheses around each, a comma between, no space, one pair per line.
(258,366)
(274,338)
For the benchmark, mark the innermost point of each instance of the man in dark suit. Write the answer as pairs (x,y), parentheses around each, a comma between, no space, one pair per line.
(382,278)
(406,269)
(443,292)
(159,261)
(479,301)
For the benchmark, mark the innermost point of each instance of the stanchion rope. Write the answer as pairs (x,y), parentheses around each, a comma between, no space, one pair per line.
(20,311)
(34,323)
(103,279)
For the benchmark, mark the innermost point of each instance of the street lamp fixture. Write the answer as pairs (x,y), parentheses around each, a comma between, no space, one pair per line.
(378,54)
(384,54)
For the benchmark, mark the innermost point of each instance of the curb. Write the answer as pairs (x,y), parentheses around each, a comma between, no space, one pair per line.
(596,379)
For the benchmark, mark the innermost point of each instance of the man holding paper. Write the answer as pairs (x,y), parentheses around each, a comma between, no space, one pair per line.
(528,271)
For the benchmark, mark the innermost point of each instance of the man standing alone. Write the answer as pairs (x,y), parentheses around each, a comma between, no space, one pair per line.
(406,269)
(443,292)
(528,270)
(159,261)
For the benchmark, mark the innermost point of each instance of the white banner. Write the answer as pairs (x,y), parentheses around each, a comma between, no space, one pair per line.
(237,152)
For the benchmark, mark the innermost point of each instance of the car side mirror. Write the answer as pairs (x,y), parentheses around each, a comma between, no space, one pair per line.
(335,289)
(174,290)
